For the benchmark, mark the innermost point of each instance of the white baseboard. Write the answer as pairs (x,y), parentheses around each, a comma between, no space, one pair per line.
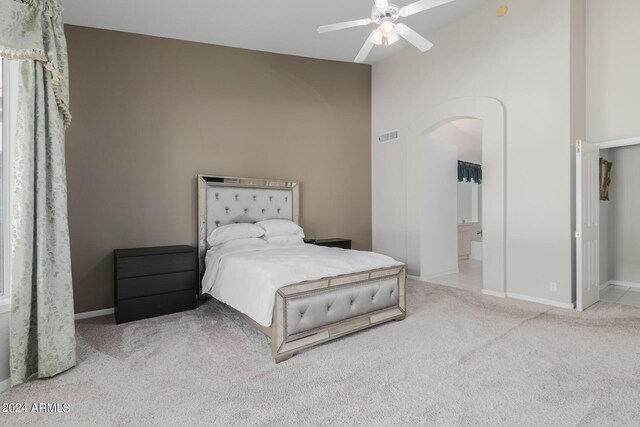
(96,313)
(623,283)
(434,276)
(552,303)
(569,306)
(5,385)
(409,276)
(494,293)
(604,285)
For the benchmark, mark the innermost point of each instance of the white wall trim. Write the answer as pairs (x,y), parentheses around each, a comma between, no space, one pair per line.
(569,306)
(5,305)
(5,385)
(494,293)
(604,285)
(623,283)
(96,313)
(435,276)
(618,143)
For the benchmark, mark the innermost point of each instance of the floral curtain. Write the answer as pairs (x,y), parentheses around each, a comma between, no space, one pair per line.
(42,336)
(469,172)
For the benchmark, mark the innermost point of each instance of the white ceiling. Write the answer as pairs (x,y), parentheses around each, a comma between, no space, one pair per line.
(280,26)
(470,145)
(466,135)
(471,127)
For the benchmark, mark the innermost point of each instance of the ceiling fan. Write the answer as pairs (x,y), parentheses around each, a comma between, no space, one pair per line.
(386,14)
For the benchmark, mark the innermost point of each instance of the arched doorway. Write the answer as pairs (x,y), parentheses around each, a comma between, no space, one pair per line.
(452,181)
(492,114)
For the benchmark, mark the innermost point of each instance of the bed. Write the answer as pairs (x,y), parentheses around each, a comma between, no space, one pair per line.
(299,295)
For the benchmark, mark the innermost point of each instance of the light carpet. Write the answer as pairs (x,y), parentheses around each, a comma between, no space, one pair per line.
(457,359)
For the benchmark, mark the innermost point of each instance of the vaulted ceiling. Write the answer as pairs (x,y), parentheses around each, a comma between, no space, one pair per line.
(279,26)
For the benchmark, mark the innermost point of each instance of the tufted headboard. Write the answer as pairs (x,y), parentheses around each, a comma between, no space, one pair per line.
(227,200)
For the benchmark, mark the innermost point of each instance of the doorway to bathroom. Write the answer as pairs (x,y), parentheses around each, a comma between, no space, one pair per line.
(431,221)
(453,156)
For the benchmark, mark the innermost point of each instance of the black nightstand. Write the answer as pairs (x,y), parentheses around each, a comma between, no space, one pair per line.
(154,281)
(334,243)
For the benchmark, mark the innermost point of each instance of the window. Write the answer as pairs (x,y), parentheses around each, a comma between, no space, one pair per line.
(5,96)
(7,105)
(3,103)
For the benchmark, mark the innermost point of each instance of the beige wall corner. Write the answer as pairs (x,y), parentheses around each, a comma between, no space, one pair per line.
(151,113)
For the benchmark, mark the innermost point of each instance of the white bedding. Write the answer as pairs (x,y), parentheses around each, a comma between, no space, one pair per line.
(248,277)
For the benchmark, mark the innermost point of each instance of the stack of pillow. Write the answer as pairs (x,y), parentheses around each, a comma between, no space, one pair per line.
(276,231)
(281,231)
(236,235)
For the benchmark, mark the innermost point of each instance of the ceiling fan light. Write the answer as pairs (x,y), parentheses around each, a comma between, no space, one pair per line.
(377,37)
(388,29)
(392,39)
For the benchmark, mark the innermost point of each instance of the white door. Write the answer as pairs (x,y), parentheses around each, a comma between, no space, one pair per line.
(587,224)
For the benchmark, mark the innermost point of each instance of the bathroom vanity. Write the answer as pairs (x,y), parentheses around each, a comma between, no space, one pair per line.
(465,236)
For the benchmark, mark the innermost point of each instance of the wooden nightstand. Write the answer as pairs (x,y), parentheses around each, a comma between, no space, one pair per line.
(154,281)
(334,243)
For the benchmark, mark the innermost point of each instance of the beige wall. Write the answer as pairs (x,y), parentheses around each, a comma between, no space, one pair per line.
(151,113)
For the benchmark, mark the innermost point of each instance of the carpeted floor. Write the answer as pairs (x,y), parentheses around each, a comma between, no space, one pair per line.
(457,359)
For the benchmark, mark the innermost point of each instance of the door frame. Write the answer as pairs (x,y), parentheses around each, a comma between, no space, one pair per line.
(492,112)
(618,143)
(602,146)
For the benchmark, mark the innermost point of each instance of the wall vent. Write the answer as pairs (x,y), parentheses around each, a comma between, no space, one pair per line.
(389,136)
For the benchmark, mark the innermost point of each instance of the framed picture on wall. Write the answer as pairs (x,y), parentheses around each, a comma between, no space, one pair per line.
(605,178)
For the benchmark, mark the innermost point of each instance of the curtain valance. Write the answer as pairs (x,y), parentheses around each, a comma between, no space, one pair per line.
(34,30)
(469,172)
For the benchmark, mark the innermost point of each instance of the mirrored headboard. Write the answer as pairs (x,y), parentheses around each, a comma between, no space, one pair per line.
(226,200)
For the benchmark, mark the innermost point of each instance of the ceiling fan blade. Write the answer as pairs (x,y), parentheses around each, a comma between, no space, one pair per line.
(381,4)
(422,5)
(366,48)
(414,38)
(343,25)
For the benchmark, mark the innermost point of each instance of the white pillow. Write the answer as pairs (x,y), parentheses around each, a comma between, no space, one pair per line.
(230,232)
(251,241)
(280,227)
(292,239)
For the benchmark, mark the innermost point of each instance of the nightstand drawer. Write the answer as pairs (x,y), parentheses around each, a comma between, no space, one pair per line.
(147,265)
(155,305)
(156,284)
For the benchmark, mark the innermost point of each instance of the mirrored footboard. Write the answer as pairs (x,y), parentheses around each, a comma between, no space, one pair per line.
(309,313)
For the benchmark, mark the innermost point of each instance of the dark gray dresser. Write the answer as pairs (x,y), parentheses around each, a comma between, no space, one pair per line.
(154,281)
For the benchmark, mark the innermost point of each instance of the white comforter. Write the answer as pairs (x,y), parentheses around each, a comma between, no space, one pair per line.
(247,278)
